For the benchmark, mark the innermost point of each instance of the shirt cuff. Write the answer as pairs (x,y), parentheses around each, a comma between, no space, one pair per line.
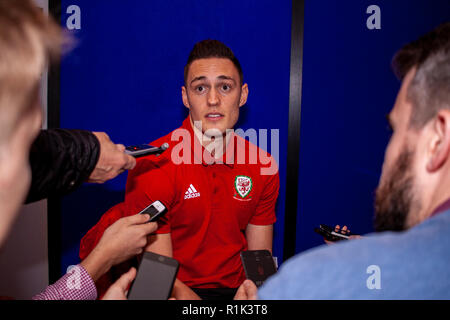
(76,284)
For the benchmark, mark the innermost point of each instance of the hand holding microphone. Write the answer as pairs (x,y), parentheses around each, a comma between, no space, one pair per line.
(112,160)
(115,158)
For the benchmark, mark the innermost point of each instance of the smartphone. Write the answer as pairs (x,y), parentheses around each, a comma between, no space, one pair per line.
(258,265)
(155,278)
(156,210)
(330,235)
(142,150)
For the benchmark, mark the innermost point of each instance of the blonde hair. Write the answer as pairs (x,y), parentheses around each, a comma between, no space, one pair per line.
(28,40)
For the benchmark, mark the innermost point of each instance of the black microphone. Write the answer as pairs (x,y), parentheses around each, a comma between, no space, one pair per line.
(145,150)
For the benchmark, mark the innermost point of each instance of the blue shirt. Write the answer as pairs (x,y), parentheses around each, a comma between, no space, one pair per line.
(413,264)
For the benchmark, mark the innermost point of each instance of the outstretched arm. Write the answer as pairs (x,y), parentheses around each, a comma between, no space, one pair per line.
(61,160)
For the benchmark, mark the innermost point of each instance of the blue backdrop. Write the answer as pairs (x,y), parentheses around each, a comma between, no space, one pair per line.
(125,75)
(348,88)
(126,72)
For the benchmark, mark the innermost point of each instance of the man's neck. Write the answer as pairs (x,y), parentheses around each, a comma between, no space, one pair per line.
(215,145)
(440,202)
(438,196)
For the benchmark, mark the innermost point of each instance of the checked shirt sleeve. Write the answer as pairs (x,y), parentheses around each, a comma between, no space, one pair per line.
(76,284)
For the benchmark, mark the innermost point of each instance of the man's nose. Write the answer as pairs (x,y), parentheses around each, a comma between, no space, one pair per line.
(213,97)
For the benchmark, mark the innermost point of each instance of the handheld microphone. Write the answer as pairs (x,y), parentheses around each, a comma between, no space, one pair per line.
(164,146)
(145,150)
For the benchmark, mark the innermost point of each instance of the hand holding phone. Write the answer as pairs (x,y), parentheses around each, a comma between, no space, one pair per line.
(258,265)
(155,278)
(330,234)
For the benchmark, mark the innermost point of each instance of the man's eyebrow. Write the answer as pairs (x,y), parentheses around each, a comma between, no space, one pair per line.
(223,77)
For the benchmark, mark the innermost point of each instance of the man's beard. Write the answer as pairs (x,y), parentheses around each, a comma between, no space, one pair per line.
(395,197)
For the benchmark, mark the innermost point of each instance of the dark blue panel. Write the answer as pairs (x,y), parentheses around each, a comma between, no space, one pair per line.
(125,77)
(348,88)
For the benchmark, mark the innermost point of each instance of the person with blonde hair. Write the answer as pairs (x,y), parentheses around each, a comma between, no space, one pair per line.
(28,42)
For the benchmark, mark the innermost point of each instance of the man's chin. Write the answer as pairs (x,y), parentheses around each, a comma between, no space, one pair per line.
(395,196)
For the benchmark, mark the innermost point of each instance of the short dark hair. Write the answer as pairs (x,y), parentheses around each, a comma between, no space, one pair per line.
(429,90)
(212,49)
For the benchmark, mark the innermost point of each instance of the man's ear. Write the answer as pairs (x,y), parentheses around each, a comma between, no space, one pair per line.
(184,97)
(440,143)
(244,95)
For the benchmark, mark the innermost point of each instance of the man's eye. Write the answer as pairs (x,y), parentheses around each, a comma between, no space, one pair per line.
(226,87)
(200,89)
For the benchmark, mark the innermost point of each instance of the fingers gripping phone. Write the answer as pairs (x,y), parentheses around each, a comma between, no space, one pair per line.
(145,149)
(155,278)
(155,210)
(330,235)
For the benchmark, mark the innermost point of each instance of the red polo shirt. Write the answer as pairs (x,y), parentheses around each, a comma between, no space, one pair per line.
(209,205)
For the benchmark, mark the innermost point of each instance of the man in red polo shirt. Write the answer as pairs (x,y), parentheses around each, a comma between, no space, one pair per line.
(220,190)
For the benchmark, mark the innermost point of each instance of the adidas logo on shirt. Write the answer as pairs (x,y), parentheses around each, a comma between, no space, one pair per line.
(191,193)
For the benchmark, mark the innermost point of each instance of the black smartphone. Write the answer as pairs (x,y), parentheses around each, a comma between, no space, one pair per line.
(156,210)
(258,265)
(155,278)
(330,235)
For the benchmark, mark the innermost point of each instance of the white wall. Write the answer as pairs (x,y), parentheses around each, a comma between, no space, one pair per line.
(24,256)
